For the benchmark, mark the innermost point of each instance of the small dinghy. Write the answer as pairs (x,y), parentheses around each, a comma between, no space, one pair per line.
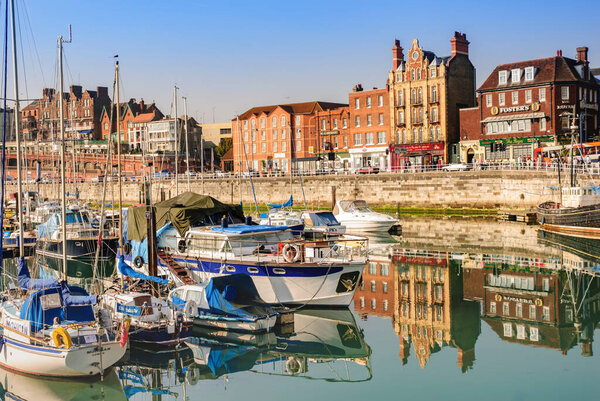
(229,302)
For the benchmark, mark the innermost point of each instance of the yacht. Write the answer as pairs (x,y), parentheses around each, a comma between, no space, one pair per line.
(358,217)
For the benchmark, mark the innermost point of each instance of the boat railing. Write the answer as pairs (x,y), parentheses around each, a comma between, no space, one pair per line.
(265,251)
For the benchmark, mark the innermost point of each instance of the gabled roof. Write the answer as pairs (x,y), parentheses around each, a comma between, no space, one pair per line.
(293,108)
(546,70)
(145,117)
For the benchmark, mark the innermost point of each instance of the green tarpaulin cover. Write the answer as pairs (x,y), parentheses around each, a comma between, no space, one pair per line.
(183,211)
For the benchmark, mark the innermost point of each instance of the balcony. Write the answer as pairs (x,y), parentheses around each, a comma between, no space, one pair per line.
(417,102)
(399,104)
(434,100)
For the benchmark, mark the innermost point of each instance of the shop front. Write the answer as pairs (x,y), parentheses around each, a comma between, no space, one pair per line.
(515,149)
(376,157)
(417,155)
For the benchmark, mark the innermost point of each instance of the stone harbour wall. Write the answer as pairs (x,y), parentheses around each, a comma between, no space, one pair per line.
(519,190)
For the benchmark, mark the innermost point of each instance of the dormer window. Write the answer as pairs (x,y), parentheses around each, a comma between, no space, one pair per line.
(529,74)
(502,77)
(515,75)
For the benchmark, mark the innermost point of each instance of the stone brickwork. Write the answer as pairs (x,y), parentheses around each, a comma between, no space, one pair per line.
(473,189)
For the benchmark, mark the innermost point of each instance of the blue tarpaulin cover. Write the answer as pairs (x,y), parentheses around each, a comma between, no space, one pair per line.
(126,270)
(37,310)
(165,238)
(28,283)
(289,203)
(246,229)
(235,295)
(231,359)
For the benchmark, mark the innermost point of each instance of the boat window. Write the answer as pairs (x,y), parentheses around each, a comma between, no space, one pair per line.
(194,295)
(50,301)
(73,218)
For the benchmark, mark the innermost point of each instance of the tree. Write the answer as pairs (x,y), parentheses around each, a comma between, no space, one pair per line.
(224,145)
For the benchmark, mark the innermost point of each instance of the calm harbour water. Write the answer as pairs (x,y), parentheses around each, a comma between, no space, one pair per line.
(453,309)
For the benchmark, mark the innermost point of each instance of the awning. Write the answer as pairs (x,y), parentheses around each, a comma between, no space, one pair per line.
(305,159)
(527,116)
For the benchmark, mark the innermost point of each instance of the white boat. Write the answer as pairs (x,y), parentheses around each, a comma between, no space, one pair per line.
(152,320)
(228,303)
(321,222)
(358,217)
(54,332)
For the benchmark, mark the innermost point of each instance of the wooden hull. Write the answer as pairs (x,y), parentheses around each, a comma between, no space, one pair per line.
(573,231)
(585,216)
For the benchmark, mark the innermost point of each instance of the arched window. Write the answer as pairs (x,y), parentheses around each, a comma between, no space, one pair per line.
(419,73)
(420,135)
(253,123)
(404,136)
(420,95)
(414,138)
(439,134)
(434,94)
(431,134)
(412,74)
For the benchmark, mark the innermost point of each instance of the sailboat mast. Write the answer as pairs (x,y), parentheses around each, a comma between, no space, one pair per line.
(176,144)
(17,135)
(119,157)
(62,157)
(187,145)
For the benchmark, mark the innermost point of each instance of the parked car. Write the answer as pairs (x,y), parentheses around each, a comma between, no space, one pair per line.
(456,167)
(367,170)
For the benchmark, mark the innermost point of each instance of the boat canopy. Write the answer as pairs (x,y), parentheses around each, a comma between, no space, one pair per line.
(28,283)
(323,219)
(247,229)
(127,271)
(41,307)
(51,225)
(165,238)
(183,211)
(289,203)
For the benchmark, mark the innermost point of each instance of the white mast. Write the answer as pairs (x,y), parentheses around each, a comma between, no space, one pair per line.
(18,136)
(187,146)
(176,144)
(119,160)
(62,153)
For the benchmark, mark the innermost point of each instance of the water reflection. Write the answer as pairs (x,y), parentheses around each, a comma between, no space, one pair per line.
(319,345)
(15,386)
(538,290)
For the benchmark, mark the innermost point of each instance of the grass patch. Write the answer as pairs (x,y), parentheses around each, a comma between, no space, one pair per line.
(406,211)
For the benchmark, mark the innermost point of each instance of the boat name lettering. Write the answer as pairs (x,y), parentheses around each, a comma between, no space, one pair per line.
(21,327)
(129,309)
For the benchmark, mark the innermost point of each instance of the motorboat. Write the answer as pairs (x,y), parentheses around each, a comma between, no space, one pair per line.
(357,216)
(229,302)
(82,242)
(53,330)
(321,222)
(283,215)
(286,270)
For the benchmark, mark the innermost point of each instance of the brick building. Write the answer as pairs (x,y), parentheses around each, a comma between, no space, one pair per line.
(375,296)
(528,104)
(333,139)
(269,138)
(128,111)
(425,95)
(370,128)
(82,114)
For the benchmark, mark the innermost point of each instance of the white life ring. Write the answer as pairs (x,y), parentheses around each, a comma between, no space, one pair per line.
(291,253)
(190,310)
(192,375)
(292,366)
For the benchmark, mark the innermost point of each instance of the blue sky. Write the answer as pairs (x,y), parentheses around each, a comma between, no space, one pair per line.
(227,56)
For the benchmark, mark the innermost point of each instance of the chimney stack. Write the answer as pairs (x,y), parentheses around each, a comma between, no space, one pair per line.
(459,44)
(582,54)
(559,53)
(76,90)
(102,91)
(398,57)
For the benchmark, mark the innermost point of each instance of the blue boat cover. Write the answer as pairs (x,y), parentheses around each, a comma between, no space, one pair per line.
(126,270)
(28,283)
(289,203)
(246,229)
(52,224)
(130,391)
(40,313)
(235,295)
(75,300)
(165,238)
(323,219)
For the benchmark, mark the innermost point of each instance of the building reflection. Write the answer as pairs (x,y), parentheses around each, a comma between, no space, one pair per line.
(422,292)
(437,299)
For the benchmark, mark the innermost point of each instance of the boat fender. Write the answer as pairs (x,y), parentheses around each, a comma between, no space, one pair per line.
(181,246)
(192,375)
(190,310)
(138,261)
(291,253)
(292,365)
(61,337)
(127,248)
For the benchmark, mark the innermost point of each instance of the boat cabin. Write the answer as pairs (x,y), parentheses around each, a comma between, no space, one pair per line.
(580,196)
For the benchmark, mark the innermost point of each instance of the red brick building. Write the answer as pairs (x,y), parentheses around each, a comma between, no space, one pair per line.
(333,135)
(527,104)
(375,296)
(267,138)
(128,111)
(82,110)
(369,128)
